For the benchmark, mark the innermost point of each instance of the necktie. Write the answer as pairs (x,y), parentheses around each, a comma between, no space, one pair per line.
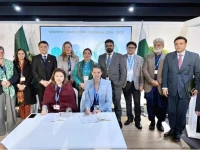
(45,59)
(180,61)
(108,63)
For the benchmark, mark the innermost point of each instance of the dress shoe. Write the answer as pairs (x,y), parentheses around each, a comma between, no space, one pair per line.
(138,125)
(152,125)
(128,121)
(176,137)
(159,126)
(169,133)
(120,124)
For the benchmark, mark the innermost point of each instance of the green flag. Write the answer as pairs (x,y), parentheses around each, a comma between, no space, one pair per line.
(143,48)
(20,41)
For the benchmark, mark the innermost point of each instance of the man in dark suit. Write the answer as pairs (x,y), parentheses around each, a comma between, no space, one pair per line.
(43,66)
(179,68)
(113,69)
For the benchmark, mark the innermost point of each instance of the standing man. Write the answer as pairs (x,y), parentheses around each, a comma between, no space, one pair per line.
(113,69)
(134,84)
(8,79)
(152,71)
(179,68)
(43,66)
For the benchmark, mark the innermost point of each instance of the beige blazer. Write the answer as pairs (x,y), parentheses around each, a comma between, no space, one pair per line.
(148,71)
(64,64)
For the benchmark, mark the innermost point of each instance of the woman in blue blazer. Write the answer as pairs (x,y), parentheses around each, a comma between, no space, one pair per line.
(98,93)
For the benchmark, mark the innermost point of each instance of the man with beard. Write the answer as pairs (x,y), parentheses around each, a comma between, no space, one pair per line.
(152,71)
(113,69)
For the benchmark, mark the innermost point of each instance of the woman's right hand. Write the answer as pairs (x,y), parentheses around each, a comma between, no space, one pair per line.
(87,112)
(44,112)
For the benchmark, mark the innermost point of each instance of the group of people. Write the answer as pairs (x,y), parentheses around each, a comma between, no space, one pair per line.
(162,77)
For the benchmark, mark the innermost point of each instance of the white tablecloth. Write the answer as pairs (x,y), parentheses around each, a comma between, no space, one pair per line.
(41,133)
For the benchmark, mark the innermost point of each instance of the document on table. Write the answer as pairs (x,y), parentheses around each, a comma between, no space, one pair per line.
(88,119)
(93,118)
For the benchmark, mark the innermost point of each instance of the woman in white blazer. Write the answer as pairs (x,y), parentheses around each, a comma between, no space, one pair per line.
(67,60)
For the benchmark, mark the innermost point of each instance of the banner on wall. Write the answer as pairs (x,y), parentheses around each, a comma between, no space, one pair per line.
(82,37)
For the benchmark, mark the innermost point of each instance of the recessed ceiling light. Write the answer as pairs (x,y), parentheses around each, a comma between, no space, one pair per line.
(131,9)
(37,19)
(17,8)
(122,19)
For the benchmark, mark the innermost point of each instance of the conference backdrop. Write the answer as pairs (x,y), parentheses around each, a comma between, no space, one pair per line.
(82,37)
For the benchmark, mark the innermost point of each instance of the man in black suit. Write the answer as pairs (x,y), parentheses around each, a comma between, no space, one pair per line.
(178,70)
(43,66)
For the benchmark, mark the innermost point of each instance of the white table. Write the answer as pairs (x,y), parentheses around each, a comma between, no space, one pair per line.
(40,133)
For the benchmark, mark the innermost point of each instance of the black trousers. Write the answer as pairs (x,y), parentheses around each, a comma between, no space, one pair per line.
(40,92)
(116,97)
(130,91)
(177,109)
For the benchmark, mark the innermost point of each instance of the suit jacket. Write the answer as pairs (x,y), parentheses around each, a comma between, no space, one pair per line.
(105,95)
(117,68)
(29,95)
(175,79)
(39,69)
(137,70)
(64,64)
(148,71)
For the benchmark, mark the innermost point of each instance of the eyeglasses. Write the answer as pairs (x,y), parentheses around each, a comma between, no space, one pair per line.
(131,47)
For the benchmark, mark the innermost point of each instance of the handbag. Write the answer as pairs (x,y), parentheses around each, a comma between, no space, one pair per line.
(20,96)
(190,87)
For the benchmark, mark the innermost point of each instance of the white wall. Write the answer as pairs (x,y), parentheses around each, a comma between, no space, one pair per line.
(166,30)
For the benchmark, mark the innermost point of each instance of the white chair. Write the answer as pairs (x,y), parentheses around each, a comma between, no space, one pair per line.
(82,106)
(76,94)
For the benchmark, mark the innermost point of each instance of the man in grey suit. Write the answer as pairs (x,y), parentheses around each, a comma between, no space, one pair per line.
(179,68)
(113,69)
(134,84)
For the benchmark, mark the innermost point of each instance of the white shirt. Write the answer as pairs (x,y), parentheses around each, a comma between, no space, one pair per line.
(130,70)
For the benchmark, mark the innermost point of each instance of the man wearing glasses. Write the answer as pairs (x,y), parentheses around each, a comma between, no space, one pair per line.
(134,84)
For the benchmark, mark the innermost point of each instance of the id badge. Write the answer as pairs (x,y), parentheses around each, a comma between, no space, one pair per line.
(4,79)
(85,78)
(155,71)
(56,107)
(22,79)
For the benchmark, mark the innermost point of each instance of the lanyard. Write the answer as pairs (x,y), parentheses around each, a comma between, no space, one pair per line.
(96,95)
(69,64)
(57,95)
(22,68)
(130,61)
(86,66)
(158,63)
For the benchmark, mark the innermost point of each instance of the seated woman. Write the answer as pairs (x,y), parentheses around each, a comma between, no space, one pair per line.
(59,95)
(98,93)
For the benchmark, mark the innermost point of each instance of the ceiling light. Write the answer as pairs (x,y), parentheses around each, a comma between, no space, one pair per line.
(122,19)
(17,8)
(37,19)
(131,9)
